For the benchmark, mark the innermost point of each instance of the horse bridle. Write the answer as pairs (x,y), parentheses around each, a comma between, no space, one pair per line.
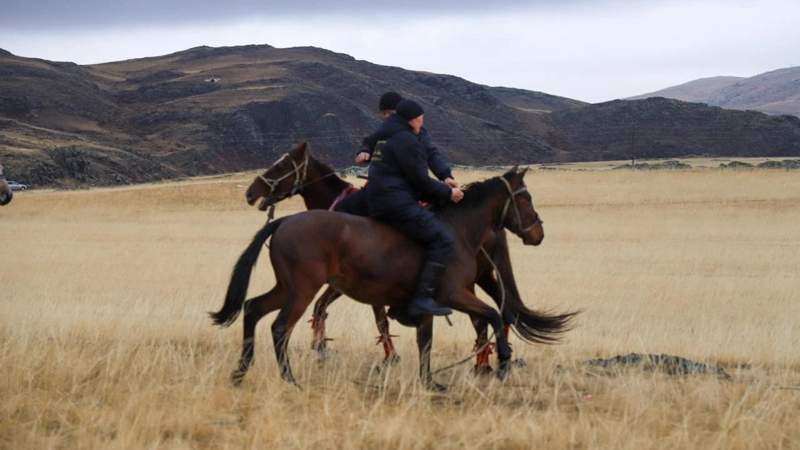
(299,171)
(509,202)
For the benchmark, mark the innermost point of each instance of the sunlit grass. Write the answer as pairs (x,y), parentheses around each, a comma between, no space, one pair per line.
(104,342)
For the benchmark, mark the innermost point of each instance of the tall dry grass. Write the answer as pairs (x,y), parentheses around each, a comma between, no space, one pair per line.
(104,342)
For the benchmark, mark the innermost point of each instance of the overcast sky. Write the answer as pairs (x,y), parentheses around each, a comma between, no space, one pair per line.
(588,50)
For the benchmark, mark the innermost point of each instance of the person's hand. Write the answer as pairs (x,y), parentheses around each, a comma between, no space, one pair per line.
(362,157)
(456,195)
(451,182)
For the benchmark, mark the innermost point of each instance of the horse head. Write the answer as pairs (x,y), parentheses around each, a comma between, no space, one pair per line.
(283,179)
(519,215)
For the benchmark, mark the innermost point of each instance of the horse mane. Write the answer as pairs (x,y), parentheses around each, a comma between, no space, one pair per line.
(475,194)
(329,176)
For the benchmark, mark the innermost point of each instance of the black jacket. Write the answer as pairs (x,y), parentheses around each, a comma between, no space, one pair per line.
(398,174)
(436,160)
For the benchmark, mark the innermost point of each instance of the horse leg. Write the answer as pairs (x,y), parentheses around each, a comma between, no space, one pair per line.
(320,342)
(291,311)
(424,342)
(491,286)
(482,346)
(254,310)
(465,301)
(390,355)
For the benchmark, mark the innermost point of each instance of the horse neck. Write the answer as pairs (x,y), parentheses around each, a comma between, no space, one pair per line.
(322,186)
(475,223)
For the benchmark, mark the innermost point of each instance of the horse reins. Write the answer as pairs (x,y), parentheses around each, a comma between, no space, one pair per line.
(510,201)
(299,171)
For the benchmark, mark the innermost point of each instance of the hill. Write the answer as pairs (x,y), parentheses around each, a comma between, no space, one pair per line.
(699,90)
(665,128)
(209,110)
(775,92)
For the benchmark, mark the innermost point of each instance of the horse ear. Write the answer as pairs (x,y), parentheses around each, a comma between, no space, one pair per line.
(300,148)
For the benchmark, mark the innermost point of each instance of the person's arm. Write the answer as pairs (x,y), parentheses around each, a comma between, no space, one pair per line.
(369,142)
(436,160)
(413,161)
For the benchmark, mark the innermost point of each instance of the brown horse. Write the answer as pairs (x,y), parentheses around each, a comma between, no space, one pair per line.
(298,172)
(6,194)
(374,264)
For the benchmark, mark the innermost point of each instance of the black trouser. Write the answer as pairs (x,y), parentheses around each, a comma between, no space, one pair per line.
(424,227)
(356,203)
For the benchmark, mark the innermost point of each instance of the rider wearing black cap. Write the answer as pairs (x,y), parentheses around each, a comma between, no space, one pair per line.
(398,180)
(356,203)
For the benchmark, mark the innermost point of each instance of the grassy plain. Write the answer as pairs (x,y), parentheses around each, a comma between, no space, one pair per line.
(104,342)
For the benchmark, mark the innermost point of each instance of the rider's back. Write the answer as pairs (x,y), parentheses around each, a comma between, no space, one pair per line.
(398,174)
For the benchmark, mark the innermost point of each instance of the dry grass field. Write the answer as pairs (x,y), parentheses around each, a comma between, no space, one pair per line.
(104,341)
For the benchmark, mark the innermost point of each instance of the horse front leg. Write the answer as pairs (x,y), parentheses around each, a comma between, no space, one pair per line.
(319,342)
(424,343)
(382,322)
(465,301)
(483,347)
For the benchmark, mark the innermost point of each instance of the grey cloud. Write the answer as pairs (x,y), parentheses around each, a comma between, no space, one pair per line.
(28,14)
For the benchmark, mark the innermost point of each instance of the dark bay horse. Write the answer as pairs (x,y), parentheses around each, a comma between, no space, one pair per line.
(376,265)
(6,194)
(298,172)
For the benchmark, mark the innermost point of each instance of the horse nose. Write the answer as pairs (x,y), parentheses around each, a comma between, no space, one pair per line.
(249,197)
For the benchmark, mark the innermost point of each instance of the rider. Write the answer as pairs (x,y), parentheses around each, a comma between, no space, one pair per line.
(398,180)
(356,203)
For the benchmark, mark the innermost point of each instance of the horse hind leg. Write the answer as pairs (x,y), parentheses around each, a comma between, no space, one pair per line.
(292,310)
(254,310)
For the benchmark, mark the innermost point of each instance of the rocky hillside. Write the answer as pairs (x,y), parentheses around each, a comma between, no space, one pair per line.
(209,110)
(666,128)
(776,92)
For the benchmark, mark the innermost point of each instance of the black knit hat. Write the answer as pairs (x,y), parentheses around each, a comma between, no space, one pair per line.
(409,109)
(389,101)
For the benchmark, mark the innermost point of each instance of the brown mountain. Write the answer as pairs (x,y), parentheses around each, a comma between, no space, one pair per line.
(210,110)
(775,92)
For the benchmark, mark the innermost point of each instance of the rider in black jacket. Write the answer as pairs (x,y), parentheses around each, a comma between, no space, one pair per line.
(398,180)
(356,203)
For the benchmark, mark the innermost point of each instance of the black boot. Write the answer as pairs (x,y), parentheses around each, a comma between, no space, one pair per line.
(423,301)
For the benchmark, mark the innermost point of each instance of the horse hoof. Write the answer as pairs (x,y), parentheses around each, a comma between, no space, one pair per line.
(503,370)
(391,360)
(519,362)
(236,377)
(483,369)
(323,356)
(435,387)
(319,347)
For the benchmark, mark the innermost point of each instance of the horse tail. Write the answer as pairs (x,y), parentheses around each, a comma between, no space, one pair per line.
(536,326)
(240,278)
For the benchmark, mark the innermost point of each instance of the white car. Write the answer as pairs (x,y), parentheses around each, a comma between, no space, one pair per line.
(15,186)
